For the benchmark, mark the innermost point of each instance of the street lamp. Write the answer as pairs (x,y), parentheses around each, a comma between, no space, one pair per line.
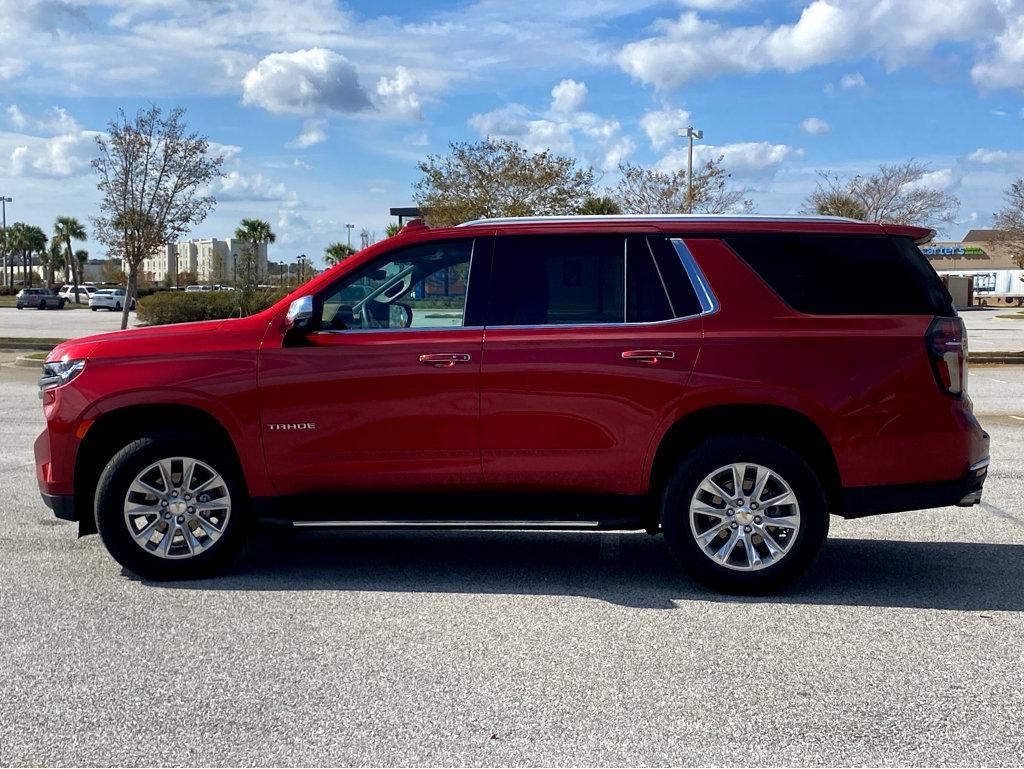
(690,133)
(349,227)
(3,239)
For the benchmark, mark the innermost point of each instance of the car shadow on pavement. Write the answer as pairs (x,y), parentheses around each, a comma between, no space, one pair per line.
(631,569)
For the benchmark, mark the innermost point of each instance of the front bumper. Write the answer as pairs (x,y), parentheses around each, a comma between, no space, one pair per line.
(63,505)
(875,500)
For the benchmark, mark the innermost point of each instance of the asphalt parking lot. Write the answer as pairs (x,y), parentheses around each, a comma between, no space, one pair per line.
(901,646)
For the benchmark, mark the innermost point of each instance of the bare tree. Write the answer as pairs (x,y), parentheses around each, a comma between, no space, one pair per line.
(643,190)
(1010,221)
(153,177)
(499,178)
(896,193)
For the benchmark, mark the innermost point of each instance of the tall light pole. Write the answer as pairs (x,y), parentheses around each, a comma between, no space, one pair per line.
(349,228)
(3,238)
(690,133)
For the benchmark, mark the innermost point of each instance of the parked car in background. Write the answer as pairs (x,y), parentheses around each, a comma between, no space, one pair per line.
(109,299)
(694,376)
(85,292)
(197,288)
(40,298)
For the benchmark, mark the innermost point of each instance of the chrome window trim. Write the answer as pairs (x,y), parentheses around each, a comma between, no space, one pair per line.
(706,297)
(395,330)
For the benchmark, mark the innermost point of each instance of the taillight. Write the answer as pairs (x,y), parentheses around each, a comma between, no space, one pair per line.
(946,340)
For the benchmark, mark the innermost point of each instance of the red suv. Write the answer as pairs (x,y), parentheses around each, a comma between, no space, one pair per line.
(726,381)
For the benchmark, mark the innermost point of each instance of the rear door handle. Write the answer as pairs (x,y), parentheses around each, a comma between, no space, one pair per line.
(444,359)
(649,357)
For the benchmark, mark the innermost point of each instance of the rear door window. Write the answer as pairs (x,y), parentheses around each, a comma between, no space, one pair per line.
(845,275)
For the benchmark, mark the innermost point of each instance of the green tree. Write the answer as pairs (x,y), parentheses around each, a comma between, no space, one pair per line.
(897,193)
(1010,221)
(68,228)
(643,190)
(600,205)
(337,253)
(53,260)
(153,177)
(26,239)
(498,177)
(255,232)
(392,229)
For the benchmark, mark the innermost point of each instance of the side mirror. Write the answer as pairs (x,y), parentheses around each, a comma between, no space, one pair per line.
(300,315)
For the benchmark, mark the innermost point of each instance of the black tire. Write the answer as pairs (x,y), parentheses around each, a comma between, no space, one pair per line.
(42,304)
(18,306)
(117,307)
(60,305)
(716,453)
(93,309)
(113,487)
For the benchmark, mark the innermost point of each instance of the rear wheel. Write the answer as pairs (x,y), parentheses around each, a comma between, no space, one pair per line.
(42,304)
(167,507)
(744,514)
(117,307)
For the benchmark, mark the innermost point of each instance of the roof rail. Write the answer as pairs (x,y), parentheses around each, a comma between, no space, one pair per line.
(658,218)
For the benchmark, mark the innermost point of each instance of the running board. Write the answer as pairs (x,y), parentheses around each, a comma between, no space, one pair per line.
(431,524)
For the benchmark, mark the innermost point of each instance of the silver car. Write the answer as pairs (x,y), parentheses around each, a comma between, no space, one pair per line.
(40,298)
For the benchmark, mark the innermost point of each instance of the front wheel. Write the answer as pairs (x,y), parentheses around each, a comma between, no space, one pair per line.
(117,307)
(167,507)
(744,514)
(42,305)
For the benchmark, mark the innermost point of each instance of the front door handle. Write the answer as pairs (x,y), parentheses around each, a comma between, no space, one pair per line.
(649,357)
(444,359)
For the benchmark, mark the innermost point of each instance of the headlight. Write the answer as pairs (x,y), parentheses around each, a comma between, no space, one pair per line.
(59,372)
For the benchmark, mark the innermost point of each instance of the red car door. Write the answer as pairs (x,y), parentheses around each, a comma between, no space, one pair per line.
(590,340)
(384,394)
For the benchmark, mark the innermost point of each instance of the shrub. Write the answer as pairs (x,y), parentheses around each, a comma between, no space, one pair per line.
(181,307)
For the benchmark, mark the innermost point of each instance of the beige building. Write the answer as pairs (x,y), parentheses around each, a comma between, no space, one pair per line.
(211,260)
(988,257)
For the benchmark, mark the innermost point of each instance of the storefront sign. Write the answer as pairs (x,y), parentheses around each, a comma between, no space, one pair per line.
(953,249)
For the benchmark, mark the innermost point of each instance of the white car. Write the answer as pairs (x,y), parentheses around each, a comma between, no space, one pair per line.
(194,288)
(84,292)
(110,299)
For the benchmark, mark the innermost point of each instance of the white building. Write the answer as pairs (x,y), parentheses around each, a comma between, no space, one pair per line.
(211,260)
(986,256)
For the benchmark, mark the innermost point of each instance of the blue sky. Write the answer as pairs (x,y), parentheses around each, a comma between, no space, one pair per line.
(323,108)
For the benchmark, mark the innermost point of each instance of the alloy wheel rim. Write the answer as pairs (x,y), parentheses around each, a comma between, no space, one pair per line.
(744,516)
(177,508)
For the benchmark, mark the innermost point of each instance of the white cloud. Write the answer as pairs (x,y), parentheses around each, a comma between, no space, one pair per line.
(304,81)
(53,121)
(11,68)
(940,179)
(312,133)
(563,128)
(990,157)
(55,157)
(398,95)
(662,126)
(852,80)
(1003,66)
(238,186)
(896,33)
(568,96)
(747,160)
(815,126)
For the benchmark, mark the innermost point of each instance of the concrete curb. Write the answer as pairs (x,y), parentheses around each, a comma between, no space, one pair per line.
(27,362)
(8,343)
(996,357)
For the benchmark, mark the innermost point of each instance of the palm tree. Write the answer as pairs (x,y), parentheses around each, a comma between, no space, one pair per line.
(68,228)
(255,232)
(26,239)
(600,205)
(337,253)
(52,259)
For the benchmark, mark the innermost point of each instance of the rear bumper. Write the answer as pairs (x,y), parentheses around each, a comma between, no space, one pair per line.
(875,500)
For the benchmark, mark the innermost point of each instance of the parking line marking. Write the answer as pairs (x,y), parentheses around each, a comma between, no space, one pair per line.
(1014,416)
(1000,381)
